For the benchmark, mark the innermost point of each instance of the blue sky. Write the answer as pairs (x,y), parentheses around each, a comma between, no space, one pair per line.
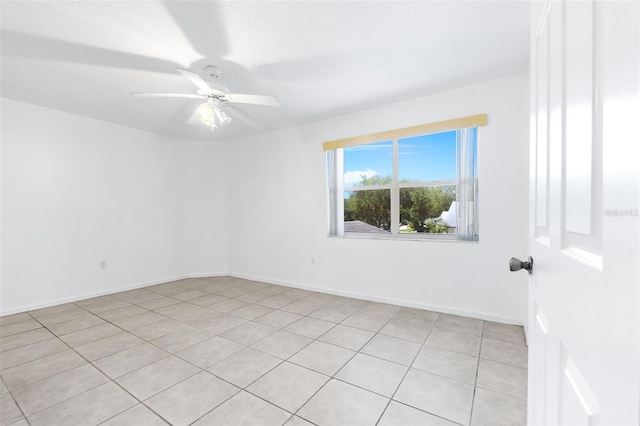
(420,158)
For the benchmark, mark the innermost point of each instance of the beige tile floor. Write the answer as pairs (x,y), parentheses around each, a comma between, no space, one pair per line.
(227,351)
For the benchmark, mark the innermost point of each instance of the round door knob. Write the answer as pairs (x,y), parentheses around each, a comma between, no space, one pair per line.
(517,264)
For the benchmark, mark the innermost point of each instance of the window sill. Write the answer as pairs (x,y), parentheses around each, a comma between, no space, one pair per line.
(447,238)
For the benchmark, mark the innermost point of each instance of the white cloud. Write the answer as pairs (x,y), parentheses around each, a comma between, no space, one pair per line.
(354,177)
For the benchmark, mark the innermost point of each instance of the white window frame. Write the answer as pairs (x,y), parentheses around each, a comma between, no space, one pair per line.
(335,181)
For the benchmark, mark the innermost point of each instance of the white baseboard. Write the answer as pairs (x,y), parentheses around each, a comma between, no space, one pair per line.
(90,295)
(208,274)
(400,302)
(110,291)
(526,333)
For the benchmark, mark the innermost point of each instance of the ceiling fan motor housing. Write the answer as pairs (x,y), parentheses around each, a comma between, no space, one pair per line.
(213,71)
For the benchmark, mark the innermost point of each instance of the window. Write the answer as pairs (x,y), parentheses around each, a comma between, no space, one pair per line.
(418,182)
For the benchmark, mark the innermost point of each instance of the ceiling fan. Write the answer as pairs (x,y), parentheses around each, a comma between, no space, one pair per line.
(213,112)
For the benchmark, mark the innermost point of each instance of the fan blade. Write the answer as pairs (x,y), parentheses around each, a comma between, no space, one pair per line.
(193,120)
(244,117)
(252,99)
(168,95)
(197,80)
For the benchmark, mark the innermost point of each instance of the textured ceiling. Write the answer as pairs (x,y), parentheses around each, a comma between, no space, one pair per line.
(320,58)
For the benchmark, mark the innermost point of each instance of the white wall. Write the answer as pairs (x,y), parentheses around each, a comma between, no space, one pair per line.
(278,214)
(76,191)
(206,191)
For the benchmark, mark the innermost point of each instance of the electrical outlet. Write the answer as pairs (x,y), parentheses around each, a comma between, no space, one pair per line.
(103,264)
(313,261)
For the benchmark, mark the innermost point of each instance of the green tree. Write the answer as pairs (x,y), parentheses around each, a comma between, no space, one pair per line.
(416,205)
(419,204)
(436,228)
(371,206)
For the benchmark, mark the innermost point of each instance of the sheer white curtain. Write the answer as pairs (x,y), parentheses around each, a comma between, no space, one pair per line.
(335,178)
(467,187)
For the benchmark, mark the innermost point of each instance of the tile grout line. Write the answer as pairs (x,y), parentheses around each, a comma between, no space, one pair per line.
(24,416)
(475,383)
(287,360)
(243,388)
(85,391)
(338,371)
(112,380)
(277,329)
(206,369)
(404,376)
(173,354)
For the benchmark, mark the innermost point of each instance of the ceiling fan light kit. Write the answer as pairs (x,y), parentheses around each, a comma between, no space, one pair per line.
(222,117)
(212,116)
(212,112)
(205,113)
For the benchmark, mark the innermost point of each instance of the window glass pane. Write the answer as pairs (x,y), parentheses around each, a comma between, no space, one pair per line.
(428,209)
(368,164)
(367,211)
(427,158)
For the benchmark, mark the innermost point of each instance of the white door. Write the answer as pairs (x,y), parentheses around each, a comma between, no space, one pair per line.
(584,297)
